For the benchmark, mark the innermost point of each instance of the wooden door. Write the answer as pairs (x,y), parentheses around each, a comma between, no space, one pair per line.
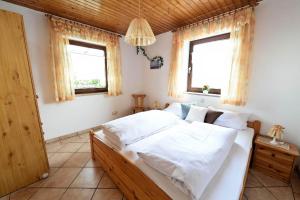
(22,151)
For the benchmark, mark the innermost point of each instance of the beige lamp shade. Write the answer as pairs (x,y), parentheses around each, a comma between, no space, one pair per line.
(276,131)
(139,33)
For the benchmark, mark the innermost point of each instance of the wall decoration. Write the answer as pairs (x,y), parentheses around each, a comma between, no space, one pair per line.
(155,62)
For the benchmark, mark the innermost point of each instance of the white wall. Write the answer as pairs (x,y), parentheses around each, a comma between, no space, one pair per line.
(274,95)
(85,111)
(274,84)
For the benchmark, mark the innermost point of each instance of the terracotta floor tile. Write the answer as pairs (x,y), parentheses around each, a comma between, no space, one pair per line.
(258,194)
(282,193)
(85,137)
(48,194)
(53,147)
(107,194)
(23,194)
(62,178)
(52,171)
(88,178)
(50,154)
(73,139)
(78,194)
(93,163)
(70,147)
(78,138)
(78,160)
(106,182)
(296,184)
(266,180)
(58,159)
(297,196)
(252,181)
(86,147)
(243,198)
(4,198)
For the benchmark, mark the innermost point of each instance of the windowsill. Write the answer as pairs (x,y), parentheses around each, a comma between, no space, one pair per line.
(202,94)
(90,94)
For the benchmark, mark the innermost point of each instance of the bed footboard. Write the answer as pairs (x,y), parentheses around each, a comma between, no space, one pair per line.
(130,179)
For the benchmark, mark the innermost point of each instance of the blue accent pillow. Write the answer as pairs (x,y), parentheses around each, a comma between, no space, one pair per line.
(185,108)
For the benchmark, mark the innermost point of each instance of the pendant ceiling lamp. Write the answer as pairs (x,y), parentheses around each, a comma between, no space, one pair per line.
(139,32)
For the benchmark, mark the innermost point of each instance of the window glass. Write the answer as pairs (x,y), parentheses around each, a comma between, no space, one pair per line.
(209,63)
(89,66)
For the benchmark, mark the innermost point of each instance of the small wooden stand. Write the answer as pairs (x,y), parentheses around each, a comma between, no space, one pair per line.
(139,103)
(273,160)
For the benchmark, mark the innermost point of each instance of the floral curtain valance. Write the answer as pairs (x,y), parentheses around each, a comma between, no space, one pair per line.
(63,30)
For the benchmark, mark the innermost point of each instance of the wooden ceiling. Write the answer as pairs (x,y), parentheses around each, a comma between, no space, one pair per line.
(115,15)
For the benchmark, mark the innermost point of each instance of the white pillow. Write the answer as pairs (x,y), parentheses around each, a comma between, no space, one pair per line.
(230,119)
(174,108)
(196,113)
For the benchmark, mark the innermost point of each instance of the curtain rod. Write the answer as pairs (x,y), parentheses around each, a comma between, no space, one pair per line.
(212,18)
(83,24)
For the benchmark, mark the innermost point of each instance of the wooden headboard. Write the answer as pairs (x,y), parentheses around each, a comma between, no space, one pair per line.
(255,125)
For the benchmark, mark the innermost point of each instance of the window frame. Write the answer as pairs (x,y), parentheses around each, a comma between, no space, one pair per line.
(214,91)
(92,46)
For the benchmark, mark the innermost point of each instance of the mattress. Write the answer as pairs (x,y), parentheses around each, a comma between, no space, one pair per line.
(226,185)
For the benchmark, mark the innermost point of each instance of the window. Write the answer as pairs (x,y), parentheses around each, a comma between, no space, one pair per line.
(209,63)
(89,65)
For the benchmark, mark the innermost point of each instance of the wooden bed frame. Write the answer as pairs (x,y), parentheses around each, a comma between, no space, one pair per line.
(130,179)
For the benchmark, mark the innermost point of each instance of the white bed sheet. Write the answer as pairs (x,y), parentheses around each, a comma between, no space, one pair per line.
(226,185)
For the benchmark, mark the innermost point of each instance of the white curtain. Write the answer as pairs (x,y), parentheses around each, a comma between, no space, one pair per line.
(61,31)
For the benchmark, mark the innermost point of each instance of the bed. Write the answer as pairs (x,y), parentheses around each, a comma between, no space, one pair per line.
(139,181)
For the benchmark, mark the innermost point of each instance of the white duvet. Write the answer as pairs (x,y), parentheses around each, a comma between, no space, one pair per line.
(190,154)
(130,129)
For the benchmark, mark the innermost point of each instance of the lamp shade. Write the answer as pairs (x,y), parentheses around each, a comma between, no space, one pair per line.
(276,131)
(139,33)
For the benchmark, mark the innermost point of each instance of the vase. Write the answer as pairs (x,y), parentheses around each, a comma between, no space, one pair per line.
(205,91)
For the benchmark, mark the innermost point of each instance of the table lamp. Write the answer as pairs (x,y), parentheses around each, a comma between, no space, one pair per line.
(276,133)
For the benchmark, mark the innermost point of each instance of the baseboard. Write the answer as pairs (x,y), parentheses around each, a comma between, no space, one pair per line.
(96,128)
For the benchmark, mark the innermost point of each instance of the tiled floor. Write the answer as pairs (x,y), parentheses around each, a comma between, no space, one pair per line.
(74,176)
(261,187)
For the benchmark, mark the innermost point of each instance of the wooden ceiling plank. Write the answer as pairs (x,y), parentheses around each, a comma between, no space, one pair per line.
(80,15)
(115,15)
(181,8)
(151,18)
(223,9)
(77,15)
(164,9)
(200,8)
(212,13)
(134,9)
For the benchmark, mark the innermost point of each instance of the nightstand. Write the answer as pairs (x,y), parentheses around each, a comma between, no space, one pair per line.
(273,160)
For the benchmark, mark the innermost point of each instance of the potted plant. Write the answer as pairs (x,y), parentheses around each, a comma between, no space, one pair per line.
(205,89)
